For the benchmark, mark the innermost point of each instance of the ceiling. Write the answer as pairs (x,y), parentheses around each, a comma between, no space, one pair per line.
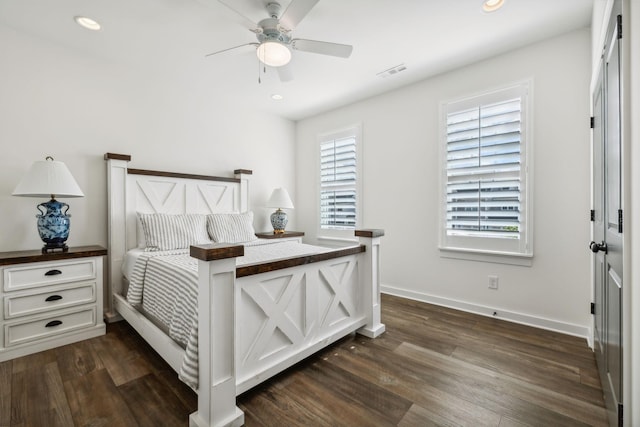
(172,37)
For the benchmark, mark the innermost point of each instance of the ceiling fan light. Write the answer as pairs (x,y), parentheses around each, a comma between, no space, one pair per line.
(492,5)
(273,53)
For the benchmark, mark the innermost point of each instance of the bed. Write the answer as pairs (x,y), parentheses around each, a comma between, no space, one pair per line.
(259,307)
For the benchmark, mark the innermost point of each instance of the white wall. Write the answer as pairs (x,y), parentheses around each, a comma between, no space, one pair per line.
(401,194)
(75,107)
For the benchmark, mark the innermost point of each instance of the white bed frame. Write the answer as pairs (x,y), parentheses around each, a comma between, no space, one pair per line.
(254,321)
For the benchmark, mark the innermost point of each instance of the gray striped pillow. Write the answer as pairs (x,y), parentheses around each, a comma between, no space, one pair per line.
(163,232)
(231,228)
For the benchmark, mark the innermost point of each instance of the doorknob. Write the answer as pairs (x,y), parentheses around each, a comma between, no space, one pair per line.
(596,247)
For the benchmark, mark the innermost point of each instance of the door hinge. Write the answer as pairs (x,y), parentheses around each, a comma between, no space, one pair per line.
(592,215)
(593,308)
(620,220)
(592,122)
(619,27)
(620,423)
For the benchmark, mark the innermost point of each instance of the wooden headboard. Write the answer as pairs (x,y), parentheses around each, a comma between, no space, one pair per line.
(138,190)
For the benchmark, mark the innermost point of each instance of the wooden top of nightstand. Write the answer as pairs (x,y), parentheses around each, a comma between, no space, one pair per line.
(272,235)
(23,257)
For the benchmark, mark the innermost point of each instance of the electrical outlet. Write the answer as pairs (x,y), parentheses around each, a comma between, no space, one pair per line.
(493,282)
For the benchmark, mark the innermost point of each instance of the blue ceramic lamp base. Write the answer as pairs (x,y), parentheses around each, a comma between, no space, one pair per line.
(53,225)
(279,221)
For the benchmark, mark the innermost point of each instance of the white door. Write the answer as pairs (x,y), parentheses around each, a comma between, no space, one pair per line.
(597,216)
(608,223)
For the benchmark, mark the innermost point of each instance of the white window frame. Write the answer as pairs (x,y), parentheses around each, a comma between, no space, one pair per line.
(483,248)
(348,233)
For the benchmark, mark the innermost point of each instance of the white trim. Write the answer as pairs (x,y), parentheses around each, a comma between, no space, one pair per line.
(631,73)
(511,316)
(487,256)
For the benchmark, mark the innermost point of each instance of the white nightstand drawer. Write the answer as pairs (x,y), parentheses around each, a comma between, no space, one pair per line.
(48,273)
(21,304)
(18,333)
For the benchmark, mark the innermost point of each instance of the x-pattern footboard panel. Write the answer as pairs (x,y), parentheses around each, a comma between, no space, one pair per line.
(341,301)
(284,311)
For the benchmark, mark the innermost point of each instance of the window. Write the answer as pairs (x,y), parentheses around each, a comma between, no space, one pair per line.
(485,203)
(339,183)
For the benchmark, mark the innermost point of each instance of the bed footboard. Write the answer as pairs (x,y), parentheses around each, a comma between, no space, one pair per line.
(252,327)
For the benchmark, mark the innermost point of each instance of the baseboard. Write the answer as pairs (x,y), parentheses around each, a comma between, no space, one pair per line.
(524,319)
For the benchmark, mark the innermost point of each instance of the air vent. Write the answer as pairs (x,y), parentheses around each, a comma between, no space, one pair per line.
(392,71)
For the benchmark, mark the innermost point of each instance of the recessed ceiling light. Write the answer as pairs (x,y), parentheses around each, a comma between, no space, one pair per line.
(277,97)
(492,5)
(88,23)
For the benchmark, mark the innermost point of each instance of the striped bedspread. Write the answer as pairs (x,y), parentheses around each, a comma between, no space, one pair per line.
(165,284)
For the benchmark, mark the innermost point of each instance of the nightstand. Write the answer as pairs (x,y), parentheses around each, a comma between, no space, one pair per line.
(49,299)
(288,235)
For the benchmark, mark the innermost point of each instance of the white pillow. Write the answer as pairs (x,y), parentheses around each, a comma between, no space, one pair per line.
(231,228)
(163,232)
(140,241)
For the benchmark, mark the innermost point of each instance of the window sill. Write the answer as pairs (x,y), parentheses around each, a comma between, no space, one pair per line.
(339,239)
(336,241)
(524,260)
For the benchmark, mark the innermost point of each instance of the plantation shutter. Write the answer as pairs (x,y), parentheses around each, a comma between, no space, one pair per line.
(483,184)
(338,183)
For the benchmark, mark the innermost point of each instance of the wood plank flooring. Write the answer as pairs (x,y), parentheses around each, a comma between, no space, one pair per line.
(433,367)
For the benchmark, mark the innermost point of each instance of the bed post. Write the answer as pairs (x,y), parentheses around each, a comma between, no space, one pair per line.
(116,227)
(216,336)
(244,175)
(370,273)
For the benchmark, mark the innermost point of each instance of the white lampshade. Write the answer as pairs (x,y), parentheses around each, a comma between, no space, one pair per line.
(280,199)
(273,53)
(47,178)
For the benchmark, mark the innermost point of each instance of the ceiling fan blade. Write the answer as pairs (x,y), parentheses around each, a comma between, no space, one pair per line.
(237,6)
(285,73)
(295,12)
(232,48)
(323,48)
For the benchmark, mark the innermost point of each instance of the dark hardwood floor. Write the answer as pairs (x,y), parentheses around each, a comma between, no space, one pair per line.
(433,366)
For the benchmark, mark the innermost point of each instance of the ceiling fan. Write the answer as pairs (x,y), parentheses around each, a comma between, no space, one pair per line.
(275,44)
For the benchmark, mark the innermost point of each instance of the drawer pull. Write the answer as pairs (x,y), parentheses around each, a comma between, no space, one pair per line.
(53,273)
(53,323)
(53,298)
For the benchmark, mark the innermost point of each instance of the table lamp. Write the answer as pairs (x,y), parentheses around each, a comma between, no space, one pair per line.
(50,178)
(279,199)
